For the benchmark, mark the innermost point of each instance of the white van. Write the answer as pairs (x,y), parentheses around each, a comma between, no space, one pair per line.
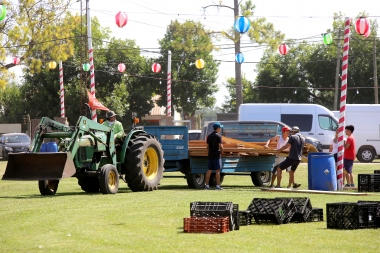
(313,120)
(366,120)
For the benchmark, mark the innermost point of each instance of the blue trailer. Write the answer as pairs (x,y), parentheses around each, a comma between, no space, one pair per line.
(174,140)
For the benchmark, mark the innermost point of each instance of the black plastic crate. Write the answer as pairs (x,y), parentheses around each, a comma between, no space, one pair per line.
(351,215)
(377,210)
(216,209)
(369,182)
(236,217)
(315,215)
(302,209)
(268,210)
(376,171)
(245,218)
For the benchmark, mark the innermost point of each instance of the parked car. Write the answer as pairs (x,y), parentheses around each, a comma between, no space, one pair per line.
(13,143)
(194,135)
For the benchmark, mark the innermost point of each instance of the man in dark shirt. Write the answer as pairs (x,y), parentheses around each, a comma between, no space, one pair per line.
(296,142)
(214,150)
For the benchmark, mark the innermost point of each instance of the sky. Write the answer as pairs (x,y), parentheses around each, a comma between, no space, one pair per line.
(297,19)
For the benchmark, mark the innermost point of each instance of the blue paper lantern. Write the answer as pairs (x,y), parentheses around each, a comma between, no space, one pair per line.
(242,24)
(239,57)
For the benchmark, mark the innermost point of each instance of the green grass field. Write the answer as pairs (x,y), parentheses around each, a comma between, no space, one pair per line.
(74,221)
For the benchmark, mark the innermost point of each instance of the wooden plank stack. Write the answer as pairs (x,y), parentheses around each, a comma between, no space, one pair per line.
(234,147)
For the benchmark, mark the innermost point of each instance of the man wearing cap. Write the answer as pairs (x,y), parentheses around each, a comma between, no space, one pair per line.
(296,142)
(281,141)
(214,150)
(115,125)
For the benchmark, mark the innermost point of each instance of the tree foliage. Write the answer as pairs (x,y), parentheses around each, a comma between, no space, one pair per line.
(36,31)
(192,88)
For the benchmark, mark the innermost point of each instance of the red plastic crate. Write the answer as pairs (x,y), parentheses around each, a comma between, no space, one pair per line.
(195,224)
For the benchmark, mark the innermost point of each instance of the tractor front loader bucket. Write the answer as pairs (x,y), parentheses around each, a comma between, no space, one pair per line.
(39,166)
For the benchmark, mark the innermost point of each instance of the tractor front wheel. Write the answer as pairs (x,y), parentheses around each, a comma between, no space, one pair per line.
(144,164)
(89,184)
(48,187)
(109,179)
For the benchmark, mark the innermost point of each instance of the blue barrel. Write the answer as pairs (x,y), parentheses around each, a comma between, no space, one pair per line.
(43,147)
(51,147)
(309,164)
(323,173)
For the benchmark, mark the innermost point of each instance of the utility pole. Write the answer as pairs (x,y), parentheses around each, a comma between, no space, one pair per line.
(375,72)
(337,73)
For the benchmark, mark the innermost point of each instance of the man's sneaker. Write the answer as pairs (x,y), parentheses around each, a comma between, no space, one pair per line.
(347,185)
(278,187)
(295,185)
(218,188)
(352,185)
(207,187)
(271,186)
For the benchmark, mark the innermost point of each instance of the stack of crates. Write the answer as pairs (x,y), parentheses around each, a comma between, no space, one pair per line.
(303,209)
(344,215)
(206,211)
(277,211)
(369,182)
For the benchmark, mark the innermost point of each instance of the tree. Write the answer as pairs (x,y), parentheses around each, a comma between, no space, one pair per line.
(36,31)
(192,88)
(262,32)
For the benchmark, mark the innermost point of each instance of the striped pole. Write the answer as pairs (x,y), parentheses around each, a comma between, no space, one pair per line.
(343,97)
(91,59)
(169,86)
(61,90)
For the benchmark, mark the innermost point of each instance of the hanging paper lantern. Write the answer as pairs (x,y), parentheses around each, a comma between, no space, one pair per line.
(86,66)
(52,65)
(199,64)
(368,33)
(16,60)
(239,57)
(242,24)
(362,25)
(3,12)
(327,38)
(121,19)
(156,67)
(121,67)
(283,49)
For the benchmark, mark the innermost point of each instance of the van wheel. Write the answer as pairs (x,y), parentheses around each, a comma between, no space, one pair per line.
(196,181)
(366,154)
(260,178)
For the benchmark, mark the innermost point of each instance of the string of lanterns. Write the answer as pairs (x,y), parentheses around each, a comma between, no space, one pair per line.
(3,12)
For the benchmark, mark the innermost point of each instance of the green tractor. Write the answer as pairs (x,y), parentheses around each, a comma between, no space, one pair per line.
(88,152)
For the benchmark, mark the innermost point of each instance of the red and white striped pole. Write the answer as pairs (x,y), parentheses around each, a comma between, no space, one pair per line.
(343,96)
(61,90)
(169,86)
(91,59)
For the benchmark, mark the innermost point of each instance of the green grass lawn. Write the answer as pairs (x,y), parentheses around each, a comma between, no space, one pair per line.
(74,221)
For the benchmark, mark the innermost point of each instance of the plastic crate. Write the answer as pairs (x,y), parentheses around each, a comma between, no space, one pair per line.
(245,218)
(315,215)
(215,209)
(302,209)
(236,217)
(377,211)
(206,225)
(369,182)
(376,171)
(268,210)
(351,215)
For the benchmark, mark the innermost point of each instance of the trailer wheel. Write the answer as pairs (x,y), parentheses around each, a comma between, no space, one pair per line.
(366,154)
(109,179)
(196,181)
(144,164)
(89,184)
(212,182)
(48,187)
(260,178)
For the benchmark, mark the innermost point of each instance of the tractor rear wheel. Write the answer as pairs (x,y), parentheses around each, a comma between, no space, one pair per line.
(89,184)
(109,179)
(144,164)
(48,187)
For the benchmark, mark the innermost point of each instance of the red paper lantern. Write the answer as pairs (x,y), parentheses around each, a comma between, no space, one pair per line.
(121,67)
(368,33)
(156,67)
(283,49)
(121,19)
(16,60)
(362,26)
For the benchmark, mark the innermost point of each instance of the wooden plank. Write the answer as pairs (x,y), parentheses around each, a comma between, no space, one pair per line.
(314,191)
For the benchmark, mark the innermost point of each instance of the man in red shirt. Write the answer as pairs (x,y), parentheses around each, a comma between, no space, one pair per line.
(349,155)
